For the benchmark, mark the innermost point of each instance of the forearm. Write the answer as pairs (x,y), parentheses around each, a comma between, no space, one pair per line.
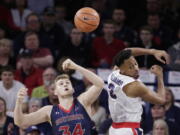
(45,61)
(161,88)
(92,77)
(18,114)
(141,51)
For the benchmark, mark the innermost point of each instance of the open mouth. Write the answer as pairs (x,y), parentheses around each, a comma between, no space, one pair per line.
(66,89)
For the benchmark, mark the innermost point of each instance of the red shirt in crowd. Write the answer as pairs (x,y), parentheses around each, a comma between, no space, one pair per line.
(101,51)
(34,79)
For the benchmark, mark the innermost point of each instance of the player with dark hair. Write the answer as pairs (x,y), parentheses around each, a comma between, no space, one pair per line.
(71,116)
(126,91)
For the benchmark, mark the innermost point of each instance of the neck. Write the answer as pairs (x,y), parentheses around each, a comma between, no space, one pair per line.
(8,85)
(108,39)
(66,102)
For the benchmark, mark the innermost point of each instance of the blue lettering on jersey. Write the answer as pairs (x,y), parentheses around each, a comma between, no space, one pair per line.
(116,80)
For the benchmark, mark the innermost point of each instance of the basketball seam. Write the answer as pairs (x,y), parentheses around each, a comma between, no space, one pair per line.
(90,14)
(84,21)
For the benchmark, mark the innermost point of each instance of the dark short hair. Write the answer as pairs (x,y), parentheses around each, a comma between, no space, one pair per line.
(29,33)
(32,14)
(146,28)
(121,57)
(7,68)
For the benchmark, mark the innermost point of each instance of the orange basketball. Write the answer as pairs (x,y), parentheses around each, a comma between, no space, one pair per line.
(86,19)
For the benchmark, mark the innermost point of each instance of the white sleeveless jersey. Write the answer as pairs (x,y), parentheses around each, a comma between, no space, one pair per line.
(122,108)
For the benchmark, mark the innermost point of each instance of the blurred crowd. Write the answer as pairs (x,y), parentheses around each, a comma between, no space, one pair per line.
(37,35)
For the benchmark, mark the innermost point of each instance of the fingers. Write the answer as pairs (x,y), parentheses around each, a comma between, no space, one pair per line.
(167,58)
(66,64)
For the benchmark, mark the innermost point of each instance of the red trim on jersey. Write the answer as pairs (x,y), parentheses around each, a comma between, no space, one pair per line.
(126,125)
(134,131)
(66,110)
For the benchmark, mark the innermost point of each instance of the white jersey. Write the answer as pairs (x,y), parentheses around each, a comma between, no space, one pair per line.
(122,108)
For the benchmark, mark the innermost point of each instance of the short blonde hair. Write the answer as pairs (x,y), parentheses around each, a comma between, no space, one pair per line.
(163,123)
(62,76)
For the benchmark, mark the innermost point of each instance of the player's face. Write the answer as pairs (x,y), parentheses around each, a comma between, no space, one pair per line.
(159,130)
(64,88)
(130,68)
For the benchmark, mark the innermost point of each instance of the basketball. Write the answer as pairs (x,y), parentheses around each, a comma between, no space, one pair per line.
(86,19)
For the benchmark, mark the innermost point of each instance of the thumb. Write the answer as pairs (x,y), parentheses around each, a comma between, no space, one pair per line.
(161,60)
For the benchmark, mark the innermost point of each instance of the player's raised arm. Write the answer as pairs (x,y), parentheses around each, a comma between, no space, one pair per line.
(25,120)
(93,92)
(138,89)
(160,55)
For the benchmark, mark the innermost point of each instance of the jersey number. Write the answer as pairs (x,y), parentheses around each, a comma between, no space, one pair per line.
(111,88)
(77,130)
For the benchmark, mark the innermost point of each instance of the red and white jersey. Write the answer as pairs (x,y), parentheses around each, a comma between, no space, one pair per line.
(122,108)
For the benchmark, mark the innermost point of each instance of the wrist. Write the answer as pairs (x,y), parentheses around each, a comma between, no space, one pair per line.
(152,51)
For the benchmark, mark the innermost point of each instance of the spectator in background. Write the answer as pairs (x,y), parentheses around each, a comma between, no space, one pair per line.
(54,31)
(39,6)
(162,34)
(172,111)
(158,112)
(76,48)
(34,105)
(19,14)
(106,47)
(6,122)
(42,57)
(146,41)
(6,19)
(48,76)
(61,18)
(98,114)
(51,99)
(2,33)
(123,32)
(160,127)
(33,130)
(28,74)
(6,53)
(174,52)
(9,88)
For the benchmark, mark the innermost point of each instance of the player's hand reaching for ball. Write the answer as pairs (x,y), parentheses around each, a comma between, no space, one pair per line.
(161,56)
(157,70)
(22,93)
(69,65)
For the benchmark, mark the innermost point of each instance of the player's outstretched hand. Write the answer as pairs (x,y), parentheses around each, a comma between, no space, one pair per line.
(68,65)
(161,56)
(21,94)
(157,70)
